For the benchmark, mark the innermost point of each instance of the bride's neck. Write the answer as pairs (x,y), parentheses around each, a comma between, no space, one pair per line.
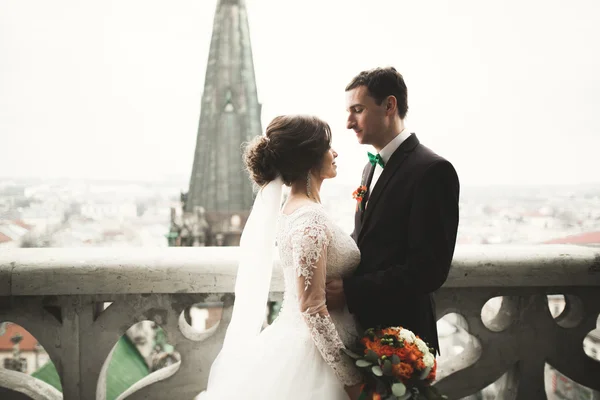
(300,189)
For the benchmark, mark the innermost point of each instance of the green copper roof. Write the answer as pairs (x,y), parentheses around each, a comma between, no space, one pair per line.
(126,368)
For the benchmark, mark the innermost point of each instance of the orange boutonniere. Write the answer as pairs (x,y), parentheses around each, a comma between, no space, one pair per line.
(359,195)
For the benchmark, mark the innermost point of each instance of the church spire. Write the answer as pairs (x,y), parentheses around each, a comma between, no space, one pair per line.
(230,116)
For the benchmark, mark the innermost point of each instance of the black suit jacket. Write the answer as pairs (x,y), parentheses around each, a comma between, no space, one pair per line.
(406,236)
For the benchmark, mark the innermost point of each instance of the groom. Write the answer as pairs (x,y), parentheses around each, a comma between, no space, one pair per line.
(406,224)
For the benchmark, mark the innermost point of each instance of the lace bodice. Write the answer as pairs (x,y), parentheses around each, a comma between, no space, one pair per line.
(312,249)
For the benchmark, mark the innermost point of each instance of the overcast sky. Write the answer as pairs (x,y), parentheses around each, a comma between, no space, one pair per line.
(509,91)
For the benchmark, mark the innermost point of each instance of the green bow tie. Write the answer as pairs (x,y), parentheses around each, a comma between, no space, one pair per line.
(376,159)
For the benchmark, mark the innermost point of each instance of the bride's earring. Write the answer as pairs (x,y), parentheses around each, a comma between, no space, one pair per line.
(308,192)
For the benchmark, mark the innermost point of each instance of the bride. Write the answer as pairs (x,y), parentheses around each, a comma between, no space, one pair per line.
(299,355)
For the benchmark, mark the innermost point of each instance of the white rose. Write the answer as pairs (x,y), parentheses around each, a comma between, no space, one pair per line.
(423,348)
(407,336)
(428,360)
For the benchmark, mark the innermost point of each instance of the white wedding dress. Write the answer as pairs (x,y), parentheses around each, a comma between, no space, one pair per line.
(298,356)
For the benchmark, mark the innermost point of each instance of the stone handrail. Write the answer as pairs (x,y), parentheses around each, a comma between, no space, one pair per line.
(55,293)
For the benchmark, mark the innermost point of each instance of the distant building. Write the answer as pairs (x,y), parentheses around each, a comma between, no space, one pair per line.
(220,196)
(30,355)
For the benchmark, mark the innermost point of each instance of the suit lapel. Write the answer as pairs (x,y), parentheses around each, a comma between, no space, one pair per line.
(367,183)
(390,169)
(359,213)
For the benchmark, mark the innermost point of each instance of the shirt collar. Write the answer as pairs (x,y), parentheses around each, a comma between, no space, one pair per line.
(392,146)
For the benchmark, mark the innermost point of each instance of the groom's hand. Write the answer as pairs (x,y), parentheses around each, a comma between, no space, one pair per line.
(336,300)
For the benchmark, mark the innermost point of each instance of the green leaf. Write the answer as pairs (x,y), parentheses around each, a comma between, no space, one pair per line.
(399,389)
(387,368)
(395,359)
(372,357)
(351,354)
(363,363)
(377,370)
(423,374)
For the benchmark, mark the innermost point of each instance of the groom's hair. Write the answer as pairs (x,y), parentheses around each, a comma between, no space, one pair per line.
(381,83)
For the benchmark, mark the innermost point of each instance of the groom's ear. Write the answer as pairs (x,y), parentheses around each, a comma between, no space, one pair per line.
(391,103)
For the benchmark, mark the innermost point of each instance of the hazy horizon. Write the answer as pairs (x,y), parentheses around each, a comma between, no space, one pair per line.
(184,182)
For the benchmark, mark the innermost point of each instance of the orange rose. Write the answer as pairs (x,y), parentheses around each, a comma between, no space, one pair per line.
(412,357)
(413,349)
(413,353)
(375,346)
(376,396)
(368,343)
(389,331)
(401,352)
(387,351)
(403,371)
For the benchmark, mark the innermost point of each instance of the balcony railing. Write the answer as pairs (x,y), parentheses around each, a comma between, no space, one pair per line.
(55,294)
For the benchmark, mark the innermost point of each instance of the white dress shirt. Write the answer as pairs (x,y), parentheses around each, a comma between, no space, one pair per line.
(386,154)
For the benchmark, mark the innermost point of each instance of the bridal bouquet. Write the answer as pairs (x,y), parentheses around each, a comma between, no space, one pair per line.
(397,364)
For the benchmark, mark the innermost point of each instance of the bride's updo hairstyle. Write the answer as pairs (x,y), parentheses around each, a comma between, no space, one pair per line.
(292,146)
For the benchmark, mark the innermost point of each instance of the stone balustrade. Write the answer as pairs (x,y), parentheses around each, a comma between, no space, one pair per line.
(56,294)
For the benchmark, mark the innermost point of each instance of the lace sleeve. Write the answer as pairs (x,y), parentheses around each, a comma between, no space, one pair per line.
(309,252)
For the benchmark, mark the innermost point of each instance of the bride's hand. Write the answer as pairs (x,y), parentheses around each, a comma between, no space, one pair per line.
(354,391)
